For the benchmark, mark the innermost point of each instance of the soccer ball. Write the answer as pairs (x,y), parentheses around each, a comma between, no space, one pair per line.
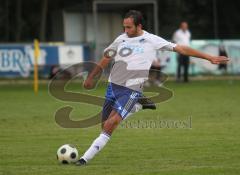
(67,154)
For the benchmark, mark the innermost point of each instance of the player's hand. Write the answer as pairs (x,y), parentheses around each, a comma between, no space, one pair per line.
(219,60)
(88,84)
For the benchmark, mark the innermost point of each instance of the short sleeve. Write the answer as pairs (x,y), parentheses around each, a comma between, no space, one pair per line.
(162,44)
(114,45)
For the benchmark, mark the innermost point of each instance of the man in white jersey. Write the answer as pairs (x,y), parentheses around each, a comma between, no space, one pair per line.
(182,37)
(133,53)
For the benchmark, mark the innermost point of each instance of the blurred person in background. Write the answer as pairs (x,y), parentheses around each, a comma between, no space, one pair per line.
(222,52)
(182,37)
(158,65)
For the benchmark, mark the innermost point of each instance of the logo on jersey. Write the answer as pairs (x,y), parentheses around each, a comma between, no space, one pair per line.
(142,41)
(136,49)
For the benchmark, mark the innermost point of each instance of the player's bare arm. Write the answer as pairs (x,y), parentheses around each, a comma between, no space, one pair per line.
(185,50)
(88,83)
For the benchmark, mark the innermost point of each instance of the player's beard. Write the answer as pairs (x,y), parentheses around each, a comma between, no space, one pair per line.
(134,34)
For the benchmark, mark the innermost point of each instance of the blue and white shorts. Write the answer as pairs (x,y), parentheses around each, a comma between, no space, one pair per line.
(119,98)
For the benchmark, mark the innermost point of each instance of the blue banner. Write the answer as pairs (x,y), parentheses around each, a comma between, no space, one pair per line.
(17,60)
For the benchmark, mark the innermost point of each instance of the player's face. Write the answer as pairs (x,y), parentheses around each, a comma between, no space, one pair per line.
(184,26)
(129,27)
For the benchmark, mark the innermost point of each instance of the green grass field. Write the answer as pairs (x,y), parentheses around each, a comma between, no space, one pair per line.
(29,136)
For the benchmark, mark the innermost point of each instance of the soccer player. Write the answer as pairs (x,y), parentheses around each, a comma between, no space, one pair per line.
(133,53)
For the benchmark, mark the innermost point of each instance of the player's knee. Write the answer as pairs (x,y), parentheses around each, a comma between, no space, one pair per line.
(110,124)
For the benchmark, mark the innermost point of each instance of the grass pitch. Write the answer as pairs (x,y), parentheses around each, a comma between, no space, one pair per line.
(29,136)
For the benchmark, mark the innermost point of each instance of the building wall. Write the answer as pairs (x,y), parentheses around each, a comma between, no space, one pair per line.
(80,28)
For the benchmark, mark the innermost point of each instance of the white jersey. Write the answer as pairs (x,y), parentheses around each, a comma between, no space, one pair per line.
(134,57)
(182,37)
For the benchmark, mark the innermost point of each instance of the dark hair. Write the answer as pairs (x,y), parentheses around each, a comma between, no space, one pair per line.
(136,15)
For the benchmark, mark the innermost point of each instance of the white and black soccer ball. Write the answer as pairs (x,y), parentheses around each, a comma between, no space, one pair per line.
(67,154)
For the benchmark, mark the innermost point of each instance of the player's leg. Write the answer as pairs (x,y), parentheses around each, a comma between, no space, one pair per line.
(125,101)
(186,65)
(111,123)
(146,103)
(108,127)
(179,65)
